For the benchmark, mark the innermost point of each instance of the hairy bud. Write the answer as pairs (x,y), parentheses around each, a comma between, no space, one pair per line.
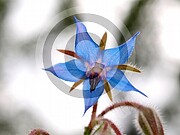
(38,132)
(149,122)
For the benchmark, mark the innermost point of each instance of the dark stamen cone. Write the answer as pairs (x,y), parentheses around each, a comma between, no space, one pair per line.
(94,82)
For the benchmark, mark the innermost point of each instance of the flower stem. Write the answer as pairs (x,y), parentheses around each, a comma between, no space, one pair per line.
(93,116)
(112,125)
(92,122)
(116,105)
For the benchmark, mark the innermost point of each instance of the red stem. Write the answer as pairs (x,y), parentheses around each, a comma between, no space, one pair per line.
(116,105)
(105,127)
(93,117)
(112,125)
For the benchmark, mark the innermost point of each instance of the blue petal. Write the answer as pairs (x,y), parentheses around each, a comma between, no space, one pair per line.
(118,80)
(90,98)
(71,71)
(119,55)
(85,47)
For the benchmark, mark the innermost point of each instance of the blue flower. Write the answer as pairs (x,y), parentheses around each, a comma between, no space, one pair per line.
(95,66)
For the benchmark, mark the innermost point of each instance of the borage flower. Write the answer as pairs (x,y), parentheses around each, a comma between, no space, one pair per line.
(96,67)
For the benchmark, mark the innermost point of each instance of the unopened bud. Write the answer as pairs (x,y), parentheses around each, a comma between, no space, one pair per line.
(38,132)
(149,122)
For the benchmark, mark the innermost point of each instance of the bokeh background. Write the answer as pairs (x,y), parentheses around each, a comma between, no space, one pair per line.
(28,99)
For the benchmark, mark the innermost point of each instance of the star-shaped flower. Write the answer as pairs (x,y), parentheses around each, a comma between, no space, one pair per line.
(95,66)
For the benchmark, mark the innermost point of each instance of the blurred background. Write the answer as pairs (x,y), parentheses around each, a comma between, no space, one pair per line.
(28,99)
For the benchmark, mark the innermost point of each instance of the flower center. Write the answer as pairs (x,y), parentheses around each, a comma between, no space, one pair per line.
(94,75)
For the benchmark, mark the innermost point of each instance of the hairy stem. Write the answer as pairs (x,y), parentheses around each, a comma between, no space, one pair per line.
(112,125)
(121,104)
(92,123)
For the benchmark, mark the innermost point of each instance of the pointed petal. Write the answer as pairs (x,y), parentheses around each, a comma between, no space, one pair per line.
(118,80)
(119,55)
(90,98)
(107,89)
(71,71)
(128,67)
(68,52)
(85,47)
(103,41)
(76,84)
